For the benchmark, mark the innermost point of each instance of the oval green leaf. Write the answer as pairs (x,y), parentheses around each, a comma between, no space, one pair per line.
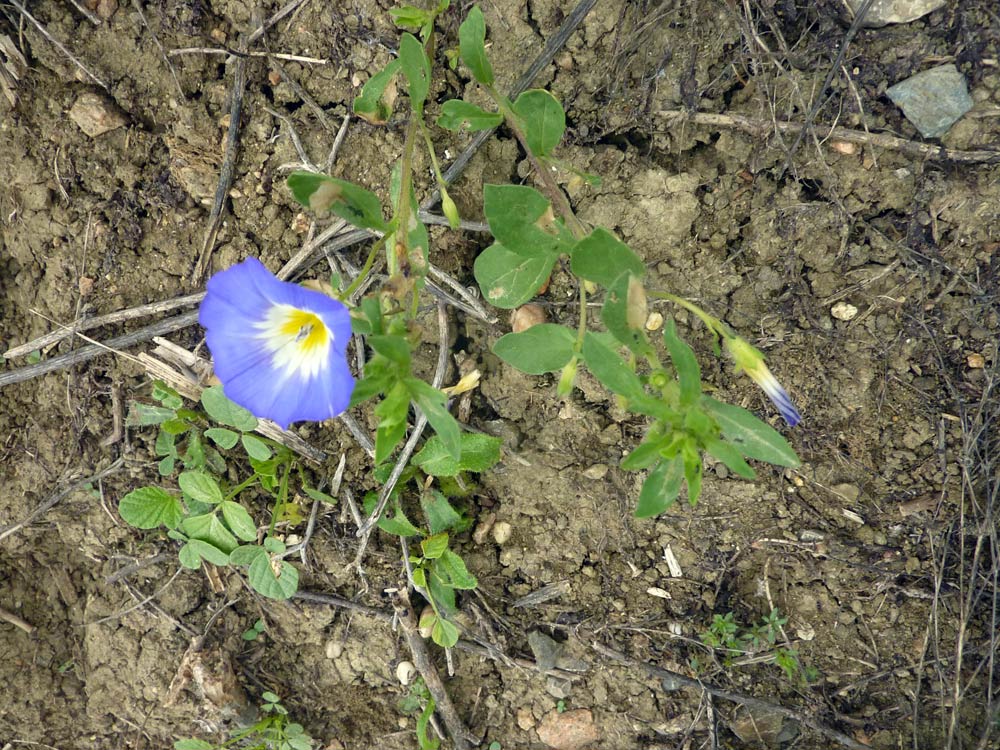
(542,348)
(200,486)
(224,411)
(543,119)
(150,507)
(660,489)
(509,279)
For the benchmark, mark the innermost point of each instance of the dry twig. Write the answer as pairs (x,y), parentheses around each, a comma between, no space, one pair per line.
(660,673)
(56,497)
(57,44)
(761,128)
(461,736)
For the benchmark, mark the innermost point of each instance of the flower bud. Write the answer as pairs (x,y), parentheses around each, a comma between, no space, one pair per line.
(450,209)
(635,304)
(567,378)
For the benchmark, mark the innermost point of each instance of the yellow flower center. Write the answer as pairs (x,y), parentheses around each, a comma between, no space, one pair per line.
(305,329)
(298,340)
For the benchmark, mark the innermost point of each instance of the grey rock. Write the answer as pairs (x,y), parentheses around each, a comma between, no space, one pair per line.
(884,12)
(933,100)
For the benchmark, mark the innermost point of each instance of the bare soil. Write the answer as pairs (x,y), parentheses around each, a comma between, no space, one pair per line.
(881,551)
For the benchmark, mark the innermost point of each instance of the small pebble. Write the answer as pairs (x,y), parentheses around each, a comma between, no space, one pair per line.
(405,672)
(501,532)
(333,650)
(527,316)
(569,730)
(844,311)
(95,115)
(654,322)
(597,471)
(524,718)
(483,528)
(975,361)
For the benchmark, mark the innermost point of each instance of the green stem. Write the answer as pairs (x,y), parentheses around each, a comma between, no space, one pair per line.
(402,217)
(281,499)
(365,269)
(550,186)
(442,185)
(241,486)
(713,324)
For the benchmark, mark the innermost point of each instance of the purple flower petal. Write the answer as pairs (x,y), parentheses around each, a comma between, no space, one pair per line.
(279,349)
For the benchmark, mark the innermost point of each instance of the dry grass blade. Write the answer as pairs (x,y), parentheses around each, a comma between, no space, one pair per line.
(12,67)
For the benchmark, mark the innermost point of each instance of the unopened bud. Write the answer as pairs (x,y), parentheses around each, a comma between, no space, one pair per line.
(567,378)
(450,210)
(635,304)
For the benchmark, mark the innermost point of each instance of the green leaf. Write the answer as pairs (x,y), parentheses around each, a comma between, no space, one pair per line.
(730,457)
(510,279)
(350,202)
(239,521)
(542,348)
(394,348)
(479,452)
(143,415)
(602,258)
(749,435)
(175,427)
(371,385)
(686,364)
(410,17)
(614,314)
(391,413)
(438,511)
(246,554)
(432,403)
(256,448)
(204,551)
(645,455)
(444,633)
(521,219)
(208,528)
(692,473)
(165,444)
(274,545)
(434,546)
(374,104)
(222,437)
(397,524)
(200,486)
(453,571)
(544,120)
(417,237)
(472,46)
(194,456)
(150,507)
(419,578)
(189,556)
(166,395)
(193,744)
(318,496)
(417,70)
(224,411)
(608,367)
(456,114)
(274,585)
(166,466)
(660,489)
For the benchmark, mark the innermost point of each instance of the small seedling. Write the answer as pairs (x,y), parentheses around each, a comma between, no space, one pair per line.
(254,632)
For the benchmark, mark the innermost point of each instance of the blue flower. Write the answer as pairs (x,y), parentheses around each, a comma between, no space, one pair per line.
(751,361)
(279,349)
